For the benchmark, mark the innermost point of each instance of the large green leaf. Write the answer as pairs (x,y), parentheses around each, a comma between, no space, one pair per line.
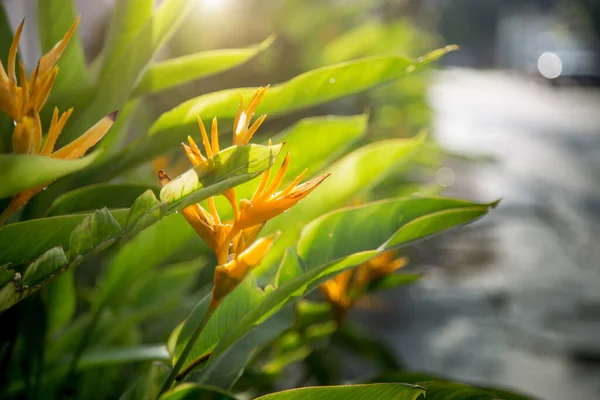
(128,18)
(388,391)
(382,225)
(93,197)
(24,171)
(308,89)
(188,391)
(245,297)
(121,73)
(351,175)
(55,17)
(176,71)
(225,370)
(95,358)
(286,293)
(29,239)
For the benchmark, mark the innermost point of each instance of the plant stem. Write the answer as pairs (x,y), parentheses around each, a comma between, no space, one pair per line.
(212,307)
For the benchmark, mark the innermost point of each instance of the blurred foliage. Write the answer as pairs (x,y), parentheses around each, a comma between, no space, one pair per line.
(107,292)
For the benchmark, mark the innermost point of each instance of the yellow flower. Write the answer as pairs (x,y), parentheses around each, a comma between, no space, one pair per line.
(23,104)
(344,288)
(234,242)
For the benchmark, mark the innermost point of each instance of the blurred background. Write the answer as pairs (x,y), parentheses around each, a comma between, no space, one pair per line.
(513,300)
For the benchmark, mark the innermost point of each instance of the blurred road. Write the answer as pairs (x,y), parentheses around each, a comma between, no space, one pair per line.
(513,300)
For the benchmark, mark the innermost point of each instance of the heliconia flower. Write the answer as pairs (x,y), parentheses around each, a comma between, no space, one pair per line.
(266,204)
(345,288)
(230,275)
(75,149)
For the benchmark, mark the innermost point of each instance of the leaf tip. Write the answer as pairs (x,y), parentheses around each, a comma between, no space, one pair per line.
(113,115)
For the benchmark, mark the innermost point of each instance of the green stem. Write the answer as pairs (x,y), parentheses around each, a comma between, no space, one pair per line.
(212,307)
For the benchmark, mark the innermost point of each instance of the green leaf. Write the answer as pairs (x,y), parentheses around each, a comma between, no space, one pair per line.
(351,175)
(49,264)
(229,168)
(224,371)
(129,17)
(115,356)
(138,256)
(286,293)
(55,17)
(61,301)
(10,287)
(148,383)
(245,297)
(332,134)
(188,391)
(92,232)
(29,239)
(169,284)
(121,72)
(442,390)
(306,90)
(290,267)
(24,171)
(382,225)
(335,135)
(141,206)
(93,197)
(176,71)
(388,391)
